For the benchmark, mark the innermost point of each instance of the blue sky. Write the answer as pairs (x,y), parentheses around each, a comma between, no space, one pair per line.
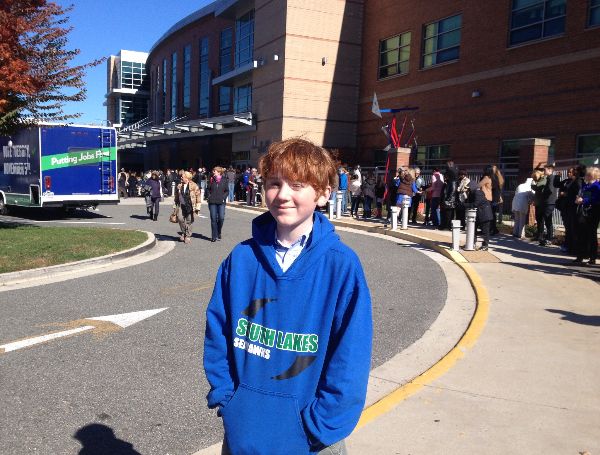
(103,27)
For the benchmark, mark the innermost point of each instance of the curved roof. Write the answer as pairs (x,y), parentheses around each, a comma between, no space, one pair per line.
(197,15)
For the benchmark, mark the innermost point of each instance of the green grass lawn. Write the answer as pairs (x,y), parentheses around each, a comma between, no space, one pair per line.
(30,247)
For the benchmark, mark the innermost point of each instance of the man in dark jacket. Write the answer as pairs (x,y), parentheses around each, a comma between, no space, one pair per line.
(484,212)
(549,195)
(449,196)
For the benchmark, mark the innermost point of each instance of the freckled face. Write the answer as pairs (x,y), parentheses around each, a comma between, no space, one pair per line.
(291,203)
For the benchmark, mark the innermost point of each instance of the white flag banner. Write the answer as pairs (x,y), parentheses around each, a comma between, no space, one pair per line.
(375,108)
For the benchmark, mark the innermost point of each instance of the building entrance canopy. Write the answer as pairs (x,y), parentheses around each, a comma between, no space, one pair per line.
(139,134)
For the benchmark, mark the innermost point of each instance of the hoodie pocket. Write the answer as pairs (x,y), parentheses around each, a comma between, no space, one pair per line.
(261,422)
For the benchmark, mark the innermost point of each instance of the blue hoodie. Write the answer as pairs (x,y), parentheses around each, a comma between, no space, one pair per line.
(287,355)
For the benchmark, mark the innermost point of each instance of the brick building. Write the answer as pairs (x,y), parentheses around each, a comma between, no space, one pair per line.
(236,75)
(487,76)
(495,81)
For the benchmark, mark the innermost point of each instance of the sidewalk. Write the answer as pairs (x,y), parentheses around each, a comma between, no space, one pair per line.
(531,382)
(530,385)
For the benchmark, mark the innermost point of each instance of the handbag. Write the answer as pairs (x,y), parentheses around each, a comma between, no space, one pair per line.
(173,216)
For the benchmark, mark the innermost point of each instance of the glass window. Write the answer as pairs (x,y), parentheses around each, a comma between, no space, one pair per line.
(174,85)
(243,99)
(164,90)
(224,99)
(394,54)
(536,19)
(133,109)
(432,156)
(594,15)
(441,41)
(133,75)
(204,80)
(588,149)
(225,50)
(187,62)
(244,35)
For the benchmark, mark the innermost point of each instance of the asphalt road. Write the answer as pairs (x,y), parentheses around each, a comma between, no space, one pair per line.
(144,385)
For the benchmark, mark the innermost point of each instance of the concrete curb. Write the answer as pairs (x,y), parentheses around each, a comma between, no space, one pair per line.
(24,276)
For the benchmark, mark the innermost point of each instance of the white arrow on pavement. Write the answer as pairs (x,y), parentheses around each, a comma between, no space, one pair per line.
(127,319)
(119,320)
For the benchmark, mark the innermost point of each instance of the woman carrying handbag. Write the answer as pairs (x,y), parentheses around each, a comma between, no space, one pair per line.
(187,203)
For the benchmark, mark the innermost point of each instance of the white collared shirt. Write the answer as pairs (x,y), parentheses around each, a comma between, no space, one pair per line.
(286,256)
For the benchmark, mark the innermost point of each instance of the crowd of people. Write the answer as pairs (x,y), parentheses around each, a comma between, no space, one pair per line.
(446,197)
(189,188)
(577,198)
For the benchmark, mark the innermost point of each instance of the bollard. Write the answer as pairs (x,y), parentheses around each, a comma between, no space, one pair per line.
(172,189)
(470,220)
(338,204)
(394,217)
(405,206)
(330,208)
(455,235)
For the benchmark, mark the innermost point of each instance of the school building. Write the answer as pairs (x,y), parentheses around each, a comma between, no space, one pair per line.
(504,82)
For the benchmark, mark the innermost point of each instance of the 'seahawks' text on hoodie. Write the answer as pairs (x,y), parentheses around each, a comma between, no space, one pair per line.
(287,355)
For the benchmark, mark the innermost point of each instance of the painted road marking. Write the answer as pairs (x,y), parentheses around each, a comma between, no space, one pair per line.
(127,319)
(8,347)
(99,324)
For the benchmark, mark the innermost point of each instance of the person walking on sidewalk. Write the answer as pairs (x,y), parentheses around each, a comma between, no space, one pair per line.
(188,199)
(217,192)
(155,195)
(588,202)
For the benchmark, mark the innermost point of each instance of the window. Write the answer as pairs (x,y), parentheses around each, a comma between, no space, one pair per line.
(510,152)
(164,90)
(244,35)
(594,15)
(225,51)
(509,155)
(187,62)
(536,19)
(133,75)
(174,85)
(441,41)
(243,155)
(588,149)
(204,81)
(394,53)
(380,157)
(432,156)
(224,98)
(243,99)
(133,109)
